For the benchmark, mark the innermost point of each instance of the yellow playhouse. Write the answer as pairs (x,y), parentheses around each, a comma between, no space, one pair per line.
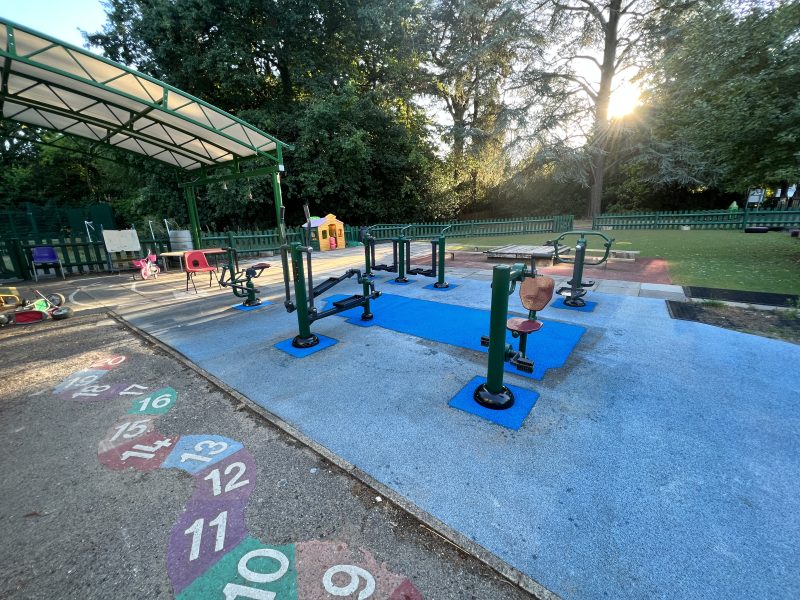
(327,233)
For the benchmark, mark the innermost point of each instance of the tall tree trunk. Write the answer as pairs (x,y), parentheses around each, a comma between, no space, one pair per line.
(600,136)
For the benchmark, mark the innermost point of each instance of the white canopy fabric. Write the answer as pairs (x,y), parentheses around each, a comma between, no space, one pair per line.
(54,85)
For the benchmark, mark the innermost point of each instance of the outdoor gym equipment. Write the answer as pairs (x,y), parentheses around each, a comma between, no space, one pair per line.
(535,292)
(573,295)
(401,257)
(241,282)
(303,303)
(33,311)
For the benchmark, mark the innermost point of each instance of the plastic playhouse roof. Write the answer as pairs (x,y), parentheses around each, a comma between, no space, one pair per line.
(51,84)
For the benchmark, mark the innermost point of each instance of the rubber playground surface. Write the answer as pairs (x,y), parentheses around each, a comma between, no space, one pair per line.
(659,458)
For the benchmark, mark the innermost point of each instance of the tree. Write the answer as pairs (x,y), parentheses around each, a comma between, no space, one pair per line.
(471,50)
(595,43)
(725,93)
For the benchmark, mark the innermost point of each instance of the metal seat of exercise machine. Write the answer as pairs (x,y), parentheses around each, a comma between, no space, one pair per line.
(260,266)
(421,271)
(521,325)
(351,302)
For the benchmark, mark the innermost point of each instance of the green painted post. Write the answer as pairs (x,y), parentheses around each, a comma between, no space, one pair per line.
(493,394)
(304,339)
(194,221)
(367,314)
(276,191)
(401,260)
(441,283)
(367,258)
(501,279)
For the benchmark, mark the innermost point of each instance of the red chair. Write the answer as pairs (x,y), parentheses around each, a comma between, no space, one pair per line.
(196,262)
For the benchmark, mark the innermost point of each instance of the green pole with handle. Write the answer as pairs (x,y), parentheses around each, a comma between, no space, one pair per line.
(304,339)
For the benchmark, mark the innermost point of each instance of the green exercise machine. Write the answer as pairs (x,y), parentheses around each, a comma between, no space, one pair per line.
(401,257)
(574,293)
(241,281)
(535,291)
(305,291)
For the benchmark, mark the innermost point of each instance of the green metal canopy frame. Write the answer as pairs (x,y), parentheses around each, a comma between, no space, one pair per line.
(53,85)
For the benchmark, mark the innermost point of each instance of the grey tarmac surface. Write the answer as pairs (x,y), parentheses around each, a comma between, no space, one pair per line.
(72,528)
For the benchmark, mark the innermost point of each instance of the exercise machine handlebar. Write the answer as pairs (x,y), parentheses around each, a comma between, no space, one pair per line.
(582,239)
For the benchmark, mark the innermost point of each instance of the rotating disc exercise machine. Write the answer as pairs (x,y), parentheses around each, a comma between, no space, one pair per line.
(573,295)
(401,257)
(303,302)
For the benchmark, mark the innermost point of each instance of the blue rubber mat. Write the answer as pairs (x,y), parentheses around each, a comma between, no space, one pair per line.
(463,326)
(393,282)
(324,342)
(511,418)
(559,303)
(249,308)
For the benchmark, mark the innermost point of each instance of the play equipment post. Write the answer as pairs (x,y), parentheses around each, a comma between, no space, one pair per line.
(401,257)
(494,394)
(305,338)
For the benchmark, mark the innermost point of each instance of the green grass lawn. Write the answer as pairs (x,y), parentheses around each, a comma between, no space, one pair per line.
(768,262)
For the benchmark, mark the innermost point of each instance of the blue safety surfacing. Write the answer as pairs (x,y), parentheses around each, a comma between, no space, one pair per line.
(654,466)
(511,418)
(393,282)
(463,326)
(449,288)
(249,308)
(324,342)
(589,307)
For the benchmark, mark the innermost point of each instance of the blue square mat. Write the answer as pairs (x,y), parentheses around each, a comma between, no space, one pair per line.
(559,303)
(324,342)
(249,308)
(512,418)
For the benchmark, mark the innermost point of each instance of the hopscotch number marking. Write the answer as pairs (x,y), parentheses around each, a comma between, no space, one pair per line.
(91,390)
(222,446)
(356,574)
(133,429)
(160,402)
(146,452)
(110,362)
(80,382)
(235,590)
(233,483)
(220,523)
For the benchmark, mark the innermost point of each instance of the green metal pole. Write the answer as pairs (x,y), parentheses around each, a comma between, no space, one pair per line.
(194,221)
(401,260)
(304,339)
(441,283)
(367,314)
(276,191)
(367,260)
(493,394)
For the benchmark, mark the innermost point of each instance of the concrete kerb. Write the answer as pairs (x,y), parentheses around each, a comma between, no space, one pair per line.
(452,536)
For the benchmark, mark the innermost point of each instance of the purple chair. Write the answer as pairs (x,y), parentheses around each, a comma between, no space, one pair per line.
(45,256)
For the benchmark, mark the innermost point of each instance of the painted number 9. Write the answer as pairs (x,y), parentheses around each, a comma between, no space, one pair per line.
(356,575)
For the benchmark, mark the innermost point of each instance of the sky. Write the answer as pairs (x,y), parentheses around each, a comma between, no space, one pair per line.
(58,18)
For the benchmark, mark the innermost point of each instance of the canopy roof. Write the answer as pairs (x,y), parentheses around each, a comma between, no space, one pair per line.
(51,84)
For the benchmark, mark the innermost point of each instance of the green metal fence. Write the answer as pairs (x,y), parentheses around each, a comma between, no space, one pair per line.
(78,254)
(707,219)
(480,228)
